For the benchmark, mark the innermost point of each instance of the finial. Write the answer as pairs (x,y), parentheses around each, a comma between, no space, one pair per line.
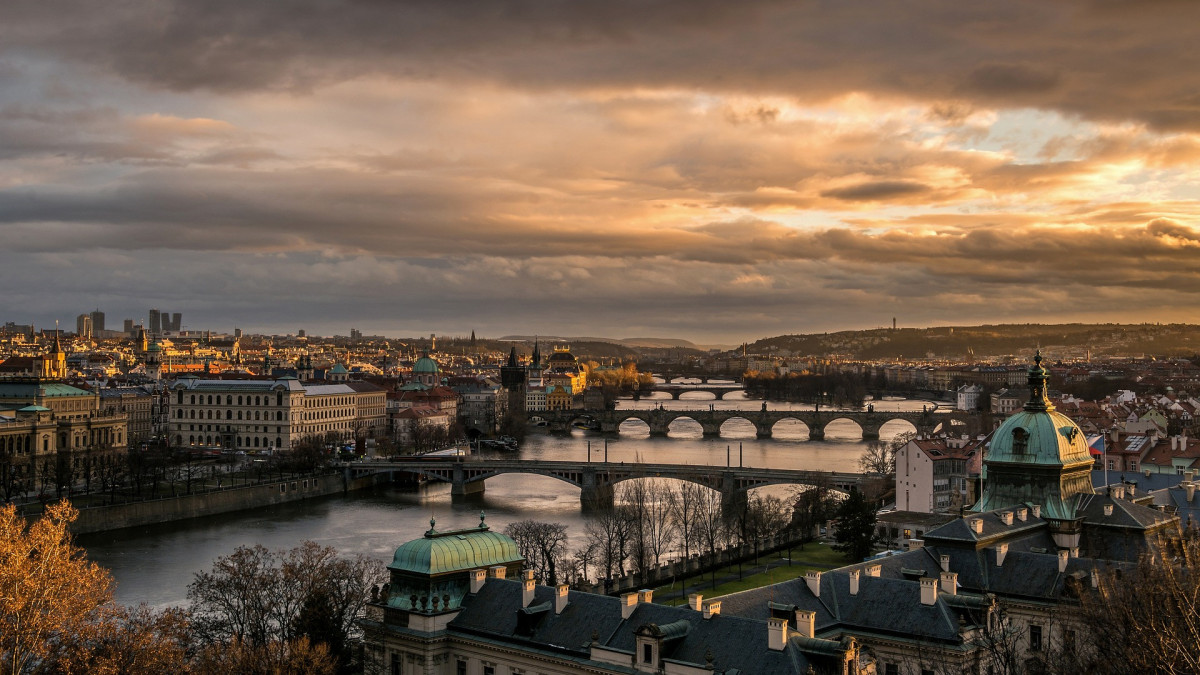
(431,531)
(482,518)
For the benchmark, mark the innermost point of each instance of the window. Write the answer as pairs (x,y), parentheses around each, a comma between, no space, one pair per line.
(1035,638)
(891,669)
(1020,441)
(647,653)
(489,670)
(1069,641)
(461,668)
(395,664)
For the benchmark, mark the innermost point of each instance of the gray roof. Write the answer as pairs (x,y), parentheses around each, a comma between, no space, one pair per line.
(735,642)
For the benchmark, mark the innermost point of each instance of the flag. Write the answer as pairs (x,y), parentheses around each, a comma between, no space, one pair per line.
(1096,444)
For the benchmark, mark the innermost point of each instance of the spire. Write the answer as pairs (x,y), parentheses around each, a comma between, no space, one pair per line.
(1038,399)
(512,357)
(537,353)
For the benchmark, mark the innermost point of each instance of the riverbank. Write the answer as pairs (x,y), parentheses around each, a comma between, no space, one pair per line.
(215,502)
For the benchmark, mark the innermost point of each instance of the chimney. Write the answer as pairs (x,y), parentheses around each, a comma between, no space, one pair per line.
(854,582)
(645,595)
(560,598)
(1118,491)
(1001,553)
(628,602)
(1146,473)
(1191,491)
(1037,510)
(977,525)
(949,583)
(712,608)
(928,590)
(477,578)
(1174,443)
(695,600)
(1108,509)
(1022,514)
(874,570)
(944,562)
(1007,517)
(777,634)
(806,623)
(813,579)
(1063,556)
(497,572)
(1095,579)
(527,588)
(1074,551)
(1190,474)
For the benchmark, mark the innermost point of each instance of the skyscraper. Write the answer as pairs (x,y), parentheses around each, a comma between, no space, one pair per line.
(83,326)
(97,321)
(128,327)
(155,322)
(177,322)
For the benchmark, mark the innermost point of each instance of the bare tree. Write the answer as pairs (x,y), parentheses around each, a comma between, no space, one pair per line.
(542,544)
(265,600)
(685,500)
(608,536)
(712,529)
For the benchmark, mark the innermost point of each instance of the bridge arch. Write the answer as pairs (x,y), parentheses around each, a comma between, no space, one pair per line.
(894,427)
(739,426)
(788,428)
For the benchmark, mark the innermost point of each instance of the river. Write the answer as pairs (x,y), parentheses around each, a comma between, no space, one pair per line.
(154,564)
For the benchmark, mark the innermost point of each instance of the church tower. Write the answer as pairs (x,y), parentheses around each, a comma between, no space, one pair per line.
(54,362)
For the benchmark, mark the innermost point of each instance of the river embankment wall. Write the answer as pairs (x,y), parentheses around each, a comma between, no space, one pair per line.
(216,502)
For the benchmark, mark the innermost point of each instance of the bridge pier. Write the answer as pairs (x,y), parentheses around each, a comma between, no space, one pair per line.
(870,434)
(595,495)
(816,433)
(763,429)
(675,394)
(711,428)
(460,487)
(733,500)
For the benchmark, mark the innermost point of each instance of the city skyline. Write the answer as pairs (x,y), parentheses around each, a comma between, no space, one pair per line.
(695,170)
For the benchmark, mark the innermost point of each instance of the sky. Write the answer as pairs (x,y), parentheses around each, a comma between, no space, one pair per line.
(701,169)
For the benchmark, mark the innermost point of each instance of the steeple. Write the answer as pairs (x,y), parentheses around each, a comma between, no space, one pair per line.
(537,353)
(512,357)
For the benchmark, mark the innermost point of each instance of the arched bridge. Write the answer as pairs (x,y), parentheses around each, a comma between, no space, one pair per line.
(596,480)
(717,390)
(659,420)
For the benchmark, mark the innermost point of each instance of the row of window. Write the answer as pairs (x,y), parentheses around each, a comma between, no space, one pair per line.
(257,400)
(228,415)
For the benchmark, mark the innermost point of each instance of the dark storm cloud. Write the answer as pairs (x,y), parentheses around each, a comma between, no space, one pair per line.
(1101,60)
(876,191)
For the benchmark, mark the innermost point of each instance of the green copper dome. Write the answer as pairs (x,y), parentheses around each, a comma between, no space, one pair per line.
(455,551)
(1037,456)
(425,366)
(1046,437)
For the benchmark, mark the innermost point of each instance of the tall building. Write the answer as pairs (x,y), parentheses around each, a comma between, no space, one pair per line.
(155,322)
(176,322)
(127,327)
(97,321)
(83,326)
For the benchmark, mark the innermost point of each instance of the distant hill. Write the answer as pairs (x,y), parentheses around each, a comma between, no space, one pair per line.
(649,342)
(992,341)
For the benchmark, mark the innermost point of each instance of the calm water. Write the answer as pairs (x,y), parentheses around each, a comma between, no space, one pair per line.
(154,564)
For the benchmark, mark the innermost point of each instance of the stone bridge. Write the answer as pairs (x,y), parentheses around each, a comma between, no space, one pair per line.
(596,480)
(659,420)
(717,390)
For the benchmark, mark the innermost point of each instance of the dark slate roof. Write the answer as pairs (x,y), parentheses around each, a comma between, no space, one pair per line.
(1144,483)
(1124,514)
(736,642)
(961,529)
(889,604)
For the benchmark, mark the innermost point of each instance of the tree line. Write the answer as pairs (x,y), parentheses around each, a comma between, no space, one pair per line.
(843,390)
(255,611)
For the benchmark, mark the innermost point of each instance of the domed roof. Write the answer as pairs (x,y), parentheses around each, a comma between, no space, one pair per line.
(1044,437)
(154,347)
(1037,456)
(562,356)
(455,551)
(338,369)
(425,366)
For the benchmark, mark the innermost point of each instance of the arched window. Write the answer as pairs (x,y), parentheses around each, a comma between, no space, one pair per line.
(239,414)
(1020,441)
(228,399)
(192,414)
(256,441)
(279,398)
(239,400)
(279,415)
(278,442)
(179,439)
(256,414)
(257,401)
(180,397)
(228,414)
(210,399)
(193,399)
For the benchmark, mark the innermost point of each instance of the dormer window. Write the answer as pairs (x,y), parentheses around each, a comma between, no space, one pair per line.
(1020,441)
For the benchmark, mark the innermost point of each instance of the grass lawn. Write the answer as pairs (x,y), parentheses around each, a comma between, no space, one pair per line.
(812,556)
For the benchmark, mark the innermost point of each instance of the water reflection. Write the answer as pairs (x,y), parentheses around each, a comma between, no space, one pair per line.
(154,564)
